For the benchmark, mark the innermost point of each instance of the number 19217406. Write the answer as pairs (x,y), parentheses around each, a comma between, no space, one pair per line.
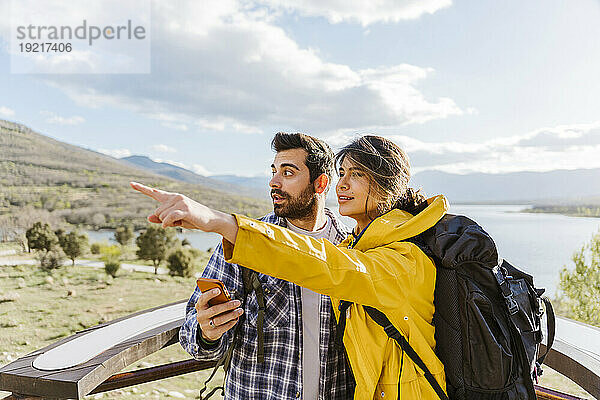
(45,47)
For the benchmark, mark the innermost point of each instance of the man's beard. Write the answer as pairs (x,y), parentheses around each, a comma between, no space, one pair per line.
(303,206)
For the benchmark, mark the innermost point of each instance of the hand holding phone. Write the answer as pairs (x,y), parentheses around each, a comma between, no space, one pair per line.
(216,313)
(206,284)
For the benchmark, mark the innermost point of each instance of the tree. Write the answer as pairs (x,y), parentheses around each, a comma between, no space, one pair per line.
(59,234)
(41,237)
(124,234)
(180,263)
(95,248)
(73,244)
(14,226)
(153,245)
(580,287)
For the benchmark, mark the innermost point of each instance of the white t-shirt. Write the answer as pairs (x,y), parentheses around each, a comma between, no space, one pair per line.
(311,310)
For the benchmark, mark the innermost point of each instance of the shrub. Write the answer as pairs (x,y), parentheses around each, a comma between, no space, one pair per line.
(580,288)
(124,234)
(111,266)
(110,251)
(180,263)
(95,248)
(50,260)
(111,257)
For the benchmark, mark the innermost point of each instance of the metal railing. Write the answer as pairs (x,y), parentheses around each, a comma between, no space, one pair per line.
(578,363)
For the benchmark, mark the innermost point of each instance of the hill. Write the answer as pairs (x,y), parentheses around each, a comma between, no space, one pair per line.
(40,176)
(256,182)
(184,175)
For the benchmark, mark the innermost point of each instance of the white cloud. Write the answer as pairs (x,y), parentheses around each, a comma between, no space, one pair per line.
(175,163)
(177,127)
(175,121)
(163,148)
(361,11)
(53,118)
(6,112)
(201,170)
(116,153)
(521,159)
(246,128)
(211,125)
(561,147)
(261,80)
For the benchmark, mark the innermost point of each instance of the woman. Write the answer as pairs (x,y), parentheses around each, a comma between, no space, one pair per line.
(375,266)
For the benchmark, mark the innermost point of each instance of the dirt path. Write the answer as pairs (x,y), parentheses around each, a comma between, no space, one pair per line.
(81,262)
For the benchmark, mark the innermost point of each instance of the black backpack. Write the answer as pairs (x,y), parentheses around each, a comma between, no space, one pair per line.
(487,316)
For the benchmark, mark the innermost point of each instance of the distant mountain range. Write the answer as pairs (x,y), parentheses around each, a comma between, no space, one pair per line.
(553,187)
(252,187)
(258,182)
(89,189)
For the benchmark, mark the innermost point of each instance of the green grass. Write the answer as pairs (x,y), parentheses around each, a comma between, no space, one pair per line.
(36,311)
(9,246)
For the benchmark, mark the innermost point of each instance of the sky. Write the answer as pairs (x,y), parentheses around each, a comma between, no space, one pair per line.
(485,86)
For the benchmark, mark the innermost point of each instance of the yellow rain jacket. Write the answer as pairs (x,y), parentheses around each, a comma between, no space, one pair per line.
(380,270)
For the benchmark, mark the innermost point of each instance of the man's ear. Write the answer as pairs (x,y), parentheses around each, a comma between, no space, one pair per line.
(321,183)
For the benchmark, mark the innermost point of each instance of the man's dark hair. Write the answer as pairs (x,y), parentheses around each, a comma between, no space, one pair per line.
(319,159)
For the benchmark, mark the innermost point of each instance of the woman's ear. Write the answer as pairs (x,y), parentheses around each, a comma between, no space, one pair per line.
(321,183)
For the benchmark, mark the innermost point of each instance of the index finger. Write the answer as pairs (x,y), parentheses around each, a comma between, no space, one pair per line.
(205,297)
(156,194)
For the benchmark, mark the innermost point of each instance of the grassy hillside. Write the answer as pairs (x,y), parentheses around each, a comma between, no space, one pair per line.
(572,210)
(39,175)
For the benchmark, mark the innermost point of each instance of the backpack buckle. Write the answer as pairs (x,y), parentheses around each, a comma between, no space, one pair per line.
(513,307)
(391,331)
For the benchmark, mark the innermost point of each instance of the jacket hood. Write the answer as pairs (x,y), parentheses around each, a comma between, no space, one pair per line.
(397,225)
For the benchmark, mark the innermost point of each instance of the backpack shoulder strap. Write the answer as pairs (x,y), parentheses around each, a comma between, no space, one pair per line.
(253,284)
(340,327)
(551,327)
(212,375)
(393,333)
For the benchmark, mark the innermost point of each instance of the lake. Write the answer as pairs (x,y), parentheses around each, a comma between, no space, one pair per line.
(539,244)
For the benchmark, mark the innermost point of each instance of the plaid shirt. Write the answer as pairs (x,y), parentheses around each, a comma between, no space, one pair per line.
(280,376)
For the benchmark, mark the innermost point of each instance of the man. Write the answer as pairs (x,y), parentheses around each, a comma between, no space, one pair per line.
(297,356)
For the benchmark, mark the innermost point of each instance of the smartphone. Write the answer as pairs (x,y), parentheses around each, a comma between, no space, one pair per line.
(205,284)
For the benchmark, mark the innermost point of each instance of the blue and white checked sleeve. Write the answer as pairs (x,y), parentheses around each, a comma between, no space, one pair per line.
(231,276)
